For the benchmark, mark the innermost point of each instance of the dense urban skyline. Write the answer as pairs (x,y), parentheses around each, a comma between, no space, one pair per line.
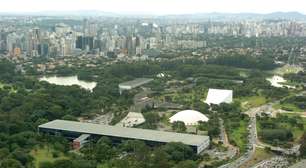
(157,7)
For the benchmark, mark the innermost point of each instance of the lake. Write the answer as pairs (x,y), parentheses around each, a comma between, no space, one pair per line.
(69,81)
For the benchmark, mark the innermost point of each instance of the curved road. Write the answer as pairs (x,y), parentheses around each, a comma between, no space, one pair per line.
(252,140)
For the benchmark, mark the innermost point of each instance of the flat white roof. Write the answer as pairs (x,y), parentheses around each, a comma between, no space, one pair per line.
(217,96)
(122,132)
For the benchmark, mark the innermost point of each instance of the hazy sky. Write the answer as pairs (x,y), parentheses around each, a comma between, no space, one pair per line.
(155,6)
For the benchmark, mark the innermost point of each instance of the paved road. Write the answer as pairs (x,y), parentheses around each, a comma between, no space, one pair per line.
(252,140)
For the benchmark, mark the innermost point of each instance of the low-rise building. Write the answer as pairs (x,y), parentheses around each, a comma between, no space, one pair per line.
(133,84)
(72,130)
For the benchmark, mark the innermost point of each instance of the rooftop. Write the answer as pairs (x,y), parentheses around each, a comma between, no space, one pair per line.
(217,96)
(189,117)
(131,133)
(136,82)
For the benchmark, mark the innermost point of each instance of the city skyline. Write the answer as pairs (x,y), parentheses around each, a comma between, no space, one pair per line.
(157,7)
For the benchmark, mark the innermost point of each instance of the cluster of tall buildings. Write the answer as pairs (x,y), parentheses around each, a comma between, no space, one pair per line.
(259,29)
(87,38)
(135,38)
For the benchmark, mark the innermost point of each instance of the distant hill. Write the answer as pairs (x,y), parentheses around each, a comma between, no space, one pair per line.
(289,15)
(200,16)
(62,13)
(241,16)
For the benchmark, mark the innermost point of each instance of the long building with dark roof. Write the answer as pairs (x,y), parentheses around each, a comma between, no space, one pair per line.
(72,130)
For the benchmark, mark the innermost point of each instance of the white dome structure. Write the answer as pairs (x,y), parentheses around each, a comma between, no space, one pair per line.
(189,117)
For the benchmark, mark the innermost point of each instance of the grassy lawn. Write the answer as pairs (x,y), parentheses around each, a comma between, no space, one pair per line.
(244,74)
(297,134)
(287,69)
(183,98)
(45,155)
(288,107)
(254,101)
(186,98)
(2,85)
(103,166)
(239,136)
(260,155)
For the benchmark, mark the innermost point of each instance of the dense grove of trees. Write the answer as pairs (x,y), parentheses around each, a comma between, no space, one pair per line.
(212,126)
(244,61)
(300,77)
(26,103)
(7,71)
(277,131)
(15,149)
(152,119)
(277,134)
(129,154)
(179,126)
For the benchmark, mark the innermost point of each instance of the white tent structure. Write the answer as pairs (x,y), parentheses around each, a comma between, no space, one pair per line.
(189,117)
(217,96)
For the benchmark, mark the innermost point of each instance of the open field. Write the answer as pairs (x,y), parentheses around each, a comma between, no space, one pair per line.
(287,69)
(251,102)
(288,107)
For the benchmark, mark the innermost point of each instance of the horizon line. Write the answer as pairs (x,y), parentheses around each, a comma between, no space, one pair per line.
(143,12)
